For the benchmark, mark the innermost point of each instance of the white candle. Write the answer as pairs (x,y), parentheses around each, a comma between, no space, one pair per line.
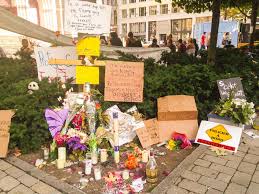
(62,153)
(88,166)
(125,175)
(46,153)
(97,173)
(94,157)
(61,163)
(103,155)
(116,138)
(145,156)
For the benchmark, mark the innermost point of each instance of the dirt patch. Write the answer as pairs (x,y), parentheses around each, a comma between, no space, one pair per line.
(72,175)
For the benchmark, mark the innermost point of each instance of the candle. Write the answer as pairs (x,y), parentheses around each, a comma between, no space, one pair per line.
(145,156)
(125,175)
(97,173)
(62,153)
(94,157)
(103,155)
(61,163)
(88,166)
(116,137)
(46,153)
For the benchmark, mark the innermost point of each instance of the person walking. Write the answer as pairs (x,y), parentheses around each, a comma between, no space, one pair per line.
(203,41)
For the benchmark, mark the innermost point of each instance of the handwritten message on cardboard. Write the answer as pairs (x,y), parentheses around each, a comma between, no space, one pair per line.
(124,81)
(149,135)
(85,17)
(234,85)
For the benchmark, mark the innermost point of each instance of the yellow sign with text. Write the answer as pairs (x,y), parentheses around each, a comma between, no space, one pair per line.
(89,46)
(218,134)
(87,74)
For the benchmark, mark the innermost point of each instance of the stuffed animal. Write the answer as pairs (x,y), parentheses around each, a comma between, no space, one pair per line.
(33,86)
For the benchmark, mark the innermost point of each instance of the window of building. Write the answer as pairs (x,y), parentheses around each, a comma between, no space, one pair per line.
(132,12)
(164,9)
(124,1)
(151,29)
(175,9)
(153,10)
(203,19)
(142,0)
(115,18)
(124,13)
(142,27)
(132,1)
(181,28)
(142,11)
(138,27)
(124,29)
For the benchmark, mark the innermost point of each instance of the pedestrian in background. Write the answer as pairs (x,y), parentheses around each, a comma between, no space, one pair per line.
(115,40)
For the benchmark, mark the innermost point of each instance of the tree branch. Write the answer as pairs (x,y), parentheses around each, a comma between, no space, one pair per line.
(241,11)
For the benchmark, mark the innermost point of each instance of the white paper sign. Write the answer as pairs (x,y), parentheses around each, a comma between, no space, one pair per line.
(219,135)
(43,54)
(85,17)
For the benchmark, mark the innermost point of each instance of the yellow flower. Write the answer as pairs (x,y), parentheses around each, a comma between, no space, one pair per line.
(171,145)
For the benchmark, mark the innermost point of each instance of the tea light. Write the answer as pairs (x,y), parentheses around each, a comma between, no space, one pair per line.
(145,156)
(97,173)
(125,175)
(46,153)
(94,157)
(104,155)
(61,163)
(62,155)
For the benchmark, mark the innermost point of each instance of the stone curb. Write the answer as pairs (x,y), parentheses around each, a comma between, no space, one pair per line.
(43,176)
(176,173)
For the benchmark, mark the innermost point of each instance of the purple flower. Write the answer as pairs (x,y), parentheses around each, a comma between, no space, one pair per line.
(74,144)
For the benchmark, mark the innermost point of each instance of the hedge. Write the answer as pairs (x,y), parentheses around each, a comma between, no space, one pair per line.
(180,74)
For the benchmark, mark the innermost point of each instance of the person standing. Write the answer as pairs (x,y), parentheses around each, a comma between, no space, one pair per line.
(181,46)
(190,49)
(170,43)
(154,44)
(196,47)
(203,41)
(132,42)
(115,40)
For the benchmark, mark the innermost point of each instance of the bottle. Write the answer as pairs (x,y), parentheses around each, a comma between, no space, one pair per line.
(116,137)
(152,169)
(90,108)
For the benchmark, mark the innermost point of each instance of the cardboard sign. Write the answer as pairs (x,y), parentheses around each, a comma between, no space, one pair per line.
(89,46)
(178,107)
(4,139)
(124,81)
(149,135)
(5,120)
(219,135)
(234,85)
(87,74)
(85,17)
(45,70)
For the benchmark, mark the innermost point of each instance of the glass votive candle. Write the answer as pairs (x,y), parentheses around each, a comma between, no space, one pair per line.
(62,153)
(88,164)
(103,155)
(60,163)
(46,153)
(145,156)
(125,174)
(97,173)
(94,157)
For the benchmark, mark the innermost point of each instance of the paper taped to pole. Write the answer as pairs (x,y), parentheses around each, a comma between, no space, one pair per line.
(45,70)
(219,135)
(89,46)
(87,74)
(124,81)
(85,17)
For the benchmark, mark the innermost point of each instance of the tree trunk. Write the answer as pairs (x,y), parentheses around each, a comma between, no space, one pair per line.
(255,5)
(214,31)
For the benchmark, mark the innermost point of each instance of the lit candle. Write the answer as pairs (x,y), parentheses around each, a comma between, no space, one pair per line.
(94,157)
(62,153)
(97,173)
(145,156)
(103,155)
(46,153)
(61,163)
(125,175)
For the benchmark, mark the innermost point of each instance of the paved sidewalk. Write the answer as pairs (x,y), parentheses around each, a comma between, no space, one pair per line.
(205,172)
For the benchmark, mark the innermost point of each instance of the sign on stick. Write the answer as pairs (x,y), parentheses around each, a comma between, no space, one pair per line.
(219,135)
(234,85)
(124,81)
(85,17)
(45,70)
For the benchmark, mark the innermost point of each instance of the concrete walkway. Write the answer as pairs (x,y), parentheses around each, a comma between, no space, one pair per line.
(205,172)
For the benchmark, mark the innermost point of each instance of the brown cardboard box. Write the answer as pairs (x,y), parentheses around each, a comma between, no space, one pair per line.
(5,120)
(187,127)
(179,107)
(4,141)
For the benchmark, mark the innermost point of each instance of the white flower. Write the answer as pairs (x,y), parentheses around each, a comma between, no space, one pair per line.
(59,99)
(63,86)
(251,105)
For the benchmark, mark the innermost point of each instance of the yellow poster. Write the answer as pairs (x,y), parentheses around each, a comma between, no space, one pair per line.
(87,74)
(218,134)
(89,46)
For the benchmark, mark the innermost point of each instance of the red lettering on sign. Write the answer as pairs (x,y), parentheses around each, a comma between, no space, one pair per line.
(216,144)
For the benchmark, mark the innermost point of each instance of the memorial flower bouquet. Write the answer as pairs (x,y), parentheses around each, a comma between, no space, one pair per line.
(238,110)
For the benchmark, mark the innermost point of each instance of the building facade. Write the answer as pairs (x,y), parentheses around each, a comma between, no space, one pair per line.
(147,19)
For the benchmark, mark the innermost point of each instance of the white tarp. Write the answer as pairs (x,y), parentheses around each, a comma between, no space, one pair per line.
(85,17)
(225,26)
